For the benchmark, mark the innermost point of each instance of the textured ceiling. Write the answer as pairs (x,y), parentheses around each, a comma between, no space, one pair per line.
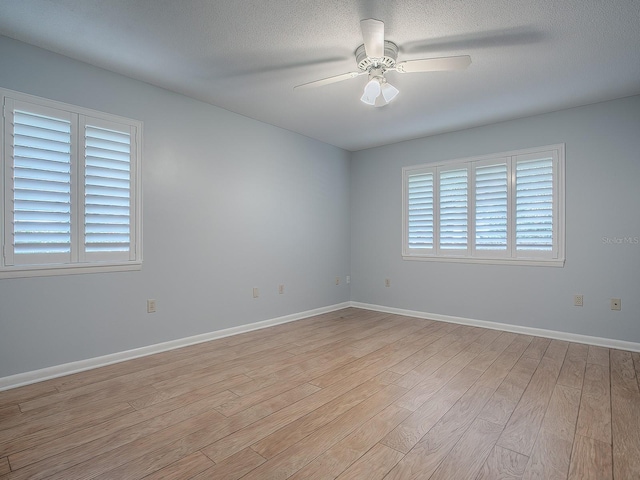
(246,56)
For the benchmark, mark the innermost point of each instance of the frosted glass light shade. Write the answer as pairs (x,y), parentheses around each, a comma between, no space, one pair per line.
(389,92)
(371,92)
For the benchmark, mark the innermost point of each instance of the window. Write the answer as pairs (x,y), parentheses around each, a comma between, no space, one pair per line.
(503,208)
(71,189)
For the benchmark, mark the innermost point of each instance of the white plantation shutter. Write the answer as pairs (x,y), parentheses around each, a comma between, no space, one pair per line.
(534,203)
(71,189)
(420,214)
(107,189)
(502,208)
(453,204)
(491,207)
(39,221)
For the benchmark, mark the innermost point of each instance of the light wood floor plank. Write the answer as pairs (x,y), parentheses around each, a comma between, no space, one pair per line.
(307,370)
(186,467)
(594,420)
(550,459)
(503,464)
(346,394)
(53,403)
(282,439)
(636,364)
(625,420)
(4,466)
(381,325)
(427,454)
(8,412)
(387,337)
(306,450)
(504,400)
(590,460)
(242,402)
(26,393)
(562,412)
(415,426)
(24,438)
(428,348)
(537,347)
(297,359)
(233,467)
(348,390)
(470,453)
(340,373)
(406,435)
(338,458)
(278,402)
(186,390)
(522,428)
(373,465)
(430,384)
(84,445)
(572,373)
(202,375)
(598,355)
(217,363)
(84,462)
(552,451)
(435,355)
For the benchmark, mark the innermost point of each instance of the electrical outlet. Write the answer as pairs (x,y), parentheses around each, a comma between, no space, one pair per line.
(387,282)
(151,306)
(280,289)
(256,292)
(578,300)
(616,304)
(337,280)
(348,279)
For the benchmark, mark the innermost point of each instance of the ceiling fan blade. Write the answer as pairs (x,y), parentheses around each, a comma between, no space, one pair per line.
(434,64)
(329,80)
(373,35)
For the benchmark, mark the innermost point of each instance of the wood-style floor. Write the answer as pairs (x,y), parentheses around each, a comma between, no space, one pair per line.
(349,395)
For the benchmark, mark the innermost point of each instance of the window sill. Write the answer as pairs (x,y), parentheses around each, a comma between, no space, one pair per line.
(52,270)
(531,262)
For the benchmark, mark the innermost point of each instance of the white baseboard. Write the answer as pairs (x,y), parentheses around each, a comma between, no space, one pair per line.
(34,376)
(537,332)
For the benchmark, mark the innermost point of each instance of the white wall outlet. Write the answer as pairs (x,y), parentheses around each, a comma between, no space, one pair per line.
(256,292)
(387,282)
(151,306)
(348,278)
(337,280)
(616,304)
(578,300)
(281,289)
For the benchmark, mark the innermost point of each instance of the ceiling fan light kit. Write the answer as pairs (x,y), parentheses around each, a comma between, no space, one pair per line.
(378,92)
(376,56)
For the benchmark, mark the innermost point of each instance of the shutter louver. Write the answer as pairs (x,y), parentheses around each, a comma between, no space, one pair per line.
(534,204)
(453,209)
(41,184)
(421,211)
(491,207)
(107,190)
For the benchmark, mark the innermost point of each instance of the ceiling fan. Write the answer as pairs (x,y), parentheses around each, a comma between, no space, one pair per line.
(377,56)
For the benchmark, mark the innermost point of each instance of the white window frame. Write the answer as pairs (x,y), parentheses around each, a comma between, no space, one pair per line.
(509,256)
(77,261)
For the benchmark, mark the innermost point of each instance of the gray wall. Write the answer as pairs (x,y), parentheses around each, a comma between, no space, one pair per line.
(602,200)
(229,204)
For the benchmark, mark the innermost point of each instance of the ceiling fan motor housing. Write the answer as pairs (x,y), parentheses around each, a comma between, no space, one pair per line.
(365,63)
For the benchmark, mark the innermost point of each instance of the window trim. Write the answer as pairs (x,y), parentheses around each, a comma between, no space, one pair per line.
(473,255)
(81,265)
